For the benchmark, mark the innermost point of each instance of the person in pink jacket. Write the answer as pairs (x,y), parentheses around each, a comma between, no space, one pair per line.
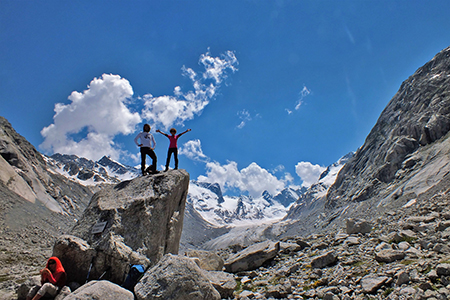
(173,148)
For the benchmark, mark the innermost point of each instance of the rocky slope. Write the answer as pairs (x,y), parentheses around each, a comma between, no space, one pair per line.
(25,172)
(405,154)
(417,116)
(36,205)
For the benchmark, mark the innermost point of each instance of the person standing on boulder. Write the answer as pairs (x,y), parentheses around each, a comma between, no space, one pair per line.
(147,145)
(173,148)
(53,278)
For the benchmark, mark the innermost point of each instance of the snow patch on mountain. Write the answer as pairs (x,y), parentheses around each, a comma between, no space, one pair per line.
(318,190)
(241,210)
(88,172)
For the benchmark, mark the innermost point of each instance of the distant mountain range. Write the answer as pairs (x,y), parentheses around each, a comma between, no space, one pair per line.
(206,198)
(88,172)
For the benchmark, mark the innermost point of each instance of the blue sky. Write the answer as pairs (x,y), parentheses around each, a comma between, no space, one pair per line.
(274,91)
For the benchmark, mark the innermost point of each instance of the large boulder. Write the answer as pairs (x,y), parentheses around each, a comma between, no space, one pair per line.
(136,221)
(175,278)
(252,257)
(103,289)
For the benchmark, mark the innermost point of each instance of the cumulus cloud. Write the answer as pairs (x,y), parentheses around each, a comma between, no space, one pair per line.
(193,150)
(88,124)
(308,172)
(253,179)
(183,106)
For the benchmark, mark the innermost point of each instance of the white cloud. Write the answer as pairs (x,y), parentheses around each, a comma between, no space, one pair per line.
(193,150)
(215,66)
(303,93)
(252,179)
(88,125)
(308,172)
(175,110)
(95,116)
(245,117)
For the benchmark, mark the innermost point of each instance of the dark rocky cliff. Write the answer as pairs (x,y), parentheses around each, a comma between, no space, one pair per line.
(418,115)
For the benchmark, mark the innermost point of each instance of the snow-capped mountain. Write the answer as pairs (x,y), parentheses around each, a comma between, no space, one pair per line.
(318,190)
(220,210)
(88,172)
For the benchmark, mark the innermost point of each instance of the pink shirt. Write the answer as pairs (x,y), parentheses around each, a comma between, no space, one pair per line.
(173,141)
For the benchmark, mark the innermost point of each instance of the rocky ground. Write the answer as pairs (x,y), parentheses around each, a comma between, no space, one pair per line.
(405,256)
(27,236)
(400,254)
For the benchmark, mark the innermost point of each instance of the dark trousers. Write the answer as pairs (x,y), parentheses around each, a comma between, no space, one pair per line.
(144,152)
(175,155)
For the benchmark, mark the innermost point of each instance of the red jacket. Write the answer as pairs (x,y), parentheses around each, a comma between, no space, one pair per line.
(58,277)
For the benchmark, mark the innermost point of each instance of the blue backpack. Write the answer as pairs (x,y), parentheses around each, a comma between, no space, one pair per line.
(134,275)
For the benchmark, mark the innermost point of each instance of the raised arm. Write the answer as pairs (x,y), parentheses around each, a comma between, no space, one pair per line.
(187,130)
(162,132)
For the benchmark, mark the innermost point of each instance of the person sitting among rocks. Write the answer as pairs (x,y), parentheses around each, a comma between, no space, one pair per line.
(53,278)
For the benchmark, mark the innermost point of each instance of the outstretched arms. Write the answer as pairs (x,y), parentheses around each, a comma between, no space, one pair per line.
(187,130)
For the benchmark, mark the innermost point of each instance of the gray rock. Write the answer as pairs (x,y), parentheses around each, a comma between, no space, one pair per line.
(383,246)
(324,260)
(446,233)
(403,235)
(441,226)
(389,256)
(252,257)
(280,290)
(403,246)
(441,248)
(370,284)
(402,278)
(63,293)
(303,244)
(223,282)
(357,226)
(424,219)
(414,253)
(144,220)
(25,287)
(208,260)
(341,236)
(176,278)
(287,248)
(102,289)
(351,241)
(443,269)
(76,255)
